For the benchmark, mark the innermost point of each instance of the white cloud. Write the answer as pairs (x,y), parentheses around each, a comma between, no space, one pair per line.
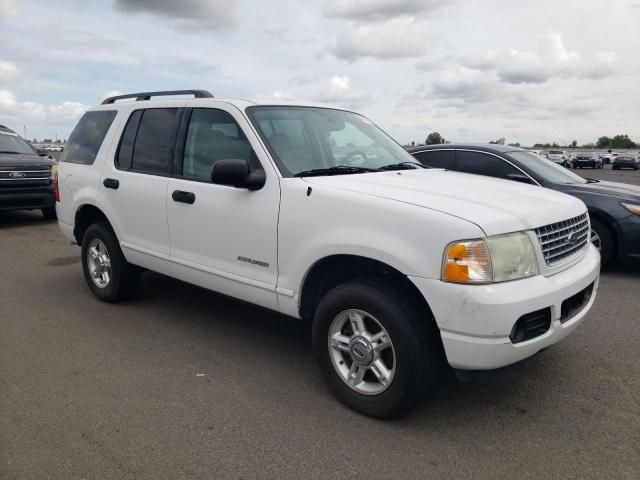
(339,93)
(9,72)
(209,14)
(551,59)
(7,9)
(26,112)
(396,39)
(375,10)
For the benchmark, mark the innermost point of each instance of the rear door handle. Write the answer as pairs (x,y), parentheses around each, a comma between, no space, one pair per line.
(183,197)
(111,183)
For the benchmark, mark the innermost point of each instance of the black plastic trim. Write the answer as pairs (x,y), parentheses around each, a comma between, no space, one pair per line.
(164,93)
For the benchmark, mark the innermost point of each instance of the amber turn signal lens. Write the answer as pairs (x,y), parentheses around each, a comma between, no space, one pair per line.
(467,262)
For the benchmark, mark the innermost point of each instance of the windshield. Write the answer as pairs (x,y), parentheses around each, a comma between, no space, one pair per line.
(306,138)
(545,169)
(11,143)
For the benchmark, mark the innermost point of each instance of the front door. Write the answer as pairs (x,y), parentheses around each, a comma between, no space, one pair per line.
(223,237)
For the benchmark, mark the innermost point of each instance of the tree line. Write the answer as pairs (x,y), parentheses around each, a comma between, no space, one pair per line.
(618,141)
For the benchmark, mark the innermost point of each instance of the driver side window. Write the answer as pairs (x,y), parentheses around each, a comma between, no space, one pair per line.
(213,135)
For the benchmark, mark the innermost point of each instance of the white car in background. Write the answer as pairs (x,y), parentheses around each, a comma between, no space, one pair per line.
(558,156)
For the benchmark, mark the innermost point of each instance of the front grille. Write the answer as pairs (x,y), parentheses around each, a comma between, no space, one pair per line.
(562,240)
(28,175)
(531,325)
(573,305)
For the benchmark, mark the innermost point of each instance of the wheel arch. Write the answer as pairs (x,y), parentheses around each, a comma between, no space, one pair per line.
(86,215)
(333,270)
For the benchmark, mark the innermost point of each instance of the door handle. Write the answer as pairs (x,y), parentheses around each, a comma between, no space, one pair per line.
(183,197)
(111,183)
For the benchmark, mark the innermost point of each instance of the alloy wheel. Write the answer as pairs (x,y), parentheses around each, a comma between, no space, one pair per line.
(361,352)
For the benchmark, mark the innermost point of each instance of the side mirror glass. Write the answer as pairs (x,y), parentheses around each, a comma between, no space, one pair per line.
(236,172)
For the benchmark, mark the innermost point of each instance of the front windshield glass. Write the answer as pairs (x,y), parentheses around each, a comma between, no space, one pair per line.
(11,143)
(306,138)
(546,169)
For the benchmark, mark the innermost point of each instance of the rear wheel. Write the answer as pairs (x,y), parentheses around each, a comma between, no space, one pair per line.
(603,240)
(376,353)
(109,276)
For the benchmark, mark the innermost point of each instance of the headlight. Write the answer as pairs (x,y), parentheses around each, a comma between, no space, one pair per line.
(635,209)
(493,259)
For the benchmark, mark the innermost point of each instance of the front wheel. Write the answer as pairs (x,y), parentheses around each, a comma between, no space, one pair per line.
(109,276)
(375,351)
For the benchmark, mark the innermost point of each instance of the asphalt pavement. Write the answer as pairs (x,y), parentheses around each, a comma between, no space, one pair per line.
(184,383)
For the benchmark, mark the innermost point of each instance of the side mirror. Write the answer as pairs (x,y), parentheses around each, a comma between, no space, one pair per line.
(519,177)
(236,172)
(42,152)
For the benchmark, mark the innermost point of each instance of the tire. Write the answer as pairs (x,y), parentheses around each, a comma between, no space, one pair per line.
(414,353)
(122,278)
(49,213)
(606,239)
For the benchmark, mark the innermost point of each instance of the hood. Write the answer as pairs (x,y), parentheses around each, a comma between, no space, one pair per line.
(20,159)
(623,191)
(496,206)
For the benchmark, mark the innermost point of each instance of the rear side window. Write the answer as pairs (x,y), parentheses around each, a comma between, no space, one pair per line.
(85,140)
(436,158)
(484,164)
(153,147)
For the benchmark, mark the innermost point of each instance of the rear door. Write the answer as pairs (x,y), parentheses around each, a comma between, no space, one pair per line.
(134,184)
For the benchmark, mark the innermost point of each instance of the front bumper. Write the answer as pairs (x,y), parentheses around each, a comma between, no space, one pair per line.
(475,321)
(26,198)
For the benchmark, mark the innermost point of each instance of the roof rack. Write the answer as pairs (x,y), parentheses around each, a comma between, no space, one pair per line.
(147,95)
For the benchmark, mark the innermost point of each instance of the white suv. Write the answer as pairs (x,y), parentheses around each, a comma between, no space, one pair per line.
(318,214)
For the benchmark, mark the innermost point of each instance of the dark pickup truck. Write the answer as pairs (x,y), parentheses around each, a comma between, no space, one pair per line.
(26,176)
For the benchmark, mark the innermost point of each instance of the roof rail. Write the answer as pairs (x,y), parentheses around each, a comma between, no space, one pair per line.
(147,95)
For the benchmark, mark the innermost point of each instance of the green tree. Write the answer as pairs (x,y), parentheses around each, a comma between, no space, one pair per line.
(603,142)
(622,141)
(574,144)
(500,141)
(434,138)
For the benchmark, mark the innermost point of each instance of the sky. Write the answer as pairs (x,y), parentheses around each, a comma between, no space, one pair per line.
(543,71)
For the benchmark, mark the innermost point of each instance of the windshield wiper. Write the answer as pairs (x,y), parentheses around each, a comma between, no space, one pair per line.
(337,170)
(592,180)
(6,151)
(402,166)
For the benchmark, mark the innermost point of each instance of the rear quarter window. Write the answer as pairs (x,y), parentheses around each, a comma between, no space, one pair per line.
(87,137)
